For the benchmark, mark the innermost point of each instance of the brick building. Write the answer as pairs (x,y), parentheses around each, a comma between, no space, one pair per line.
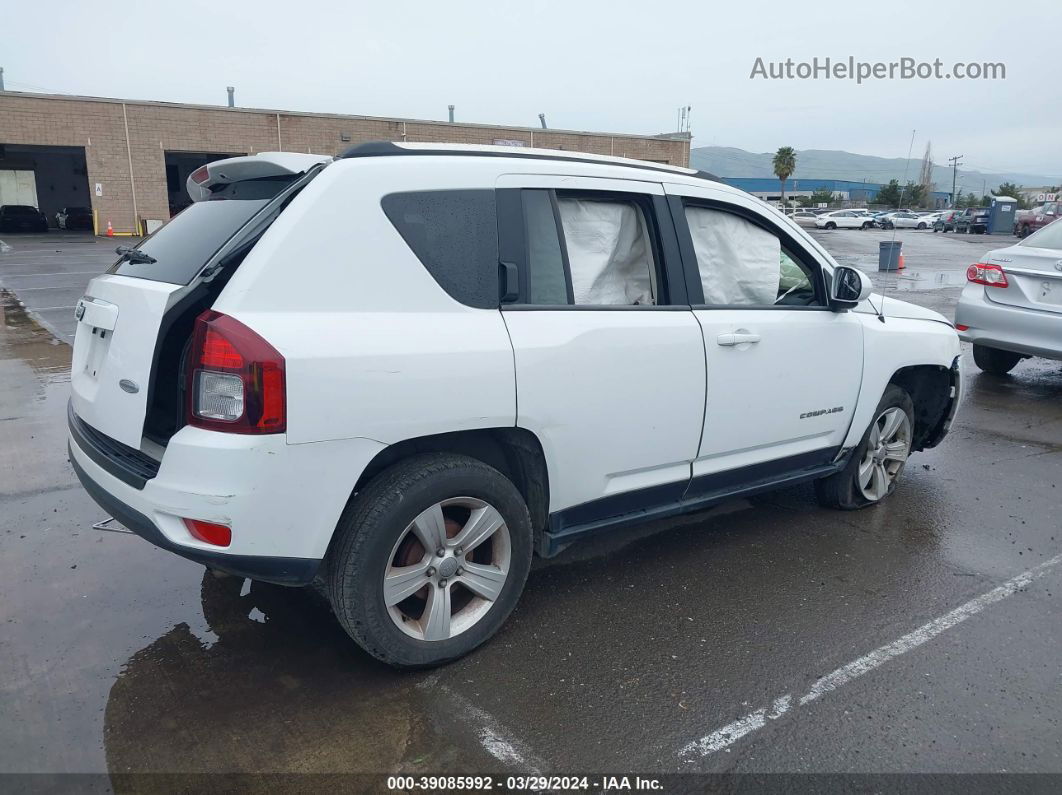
(128,160)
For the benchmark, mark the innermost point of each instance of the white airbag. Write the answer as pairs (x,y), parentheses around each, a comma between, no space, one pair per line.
(738,260)
(608,249)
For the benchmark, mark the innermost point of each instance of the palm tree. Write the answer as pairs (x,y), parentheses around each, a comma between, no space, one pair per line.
(784,165)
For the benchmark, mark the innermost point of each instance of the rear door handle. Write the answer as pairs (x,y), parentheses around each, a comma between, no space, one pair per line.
(736,338)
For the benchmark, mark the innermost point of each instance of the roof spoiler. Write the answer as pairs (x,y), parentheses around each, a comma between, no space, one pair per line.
(206,179)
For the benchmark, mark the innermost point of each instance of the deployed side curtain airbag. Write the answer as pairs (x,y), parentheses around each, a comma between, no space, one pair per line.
(738,260)
(608,250)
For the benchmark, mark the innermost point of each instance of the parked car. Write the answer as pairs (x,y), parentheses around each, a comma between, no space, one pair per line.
(74,218)
(902,220)
(378,406)
(972,220)
(804,217)
(946,221)
(1028,221)
(1011,307)
(843,219)
(22,218)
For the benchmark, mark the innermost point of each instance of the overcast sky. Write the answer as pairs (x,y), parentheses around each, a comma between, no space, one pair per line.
(610,66)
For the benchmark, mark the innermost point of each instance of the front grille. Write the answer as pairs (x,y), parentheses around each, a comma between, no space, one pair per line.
(124,462)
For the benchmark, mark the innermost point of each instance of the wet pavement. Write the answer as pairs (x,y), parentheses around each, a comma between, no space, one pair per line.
(116,657)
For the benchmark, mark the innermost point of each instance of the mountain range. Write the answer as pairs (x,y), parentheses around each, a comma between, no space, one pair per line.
(726,161)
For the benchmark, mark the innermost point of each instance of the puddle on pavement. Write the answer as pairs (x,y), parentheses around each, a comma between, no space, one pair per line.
(35,375)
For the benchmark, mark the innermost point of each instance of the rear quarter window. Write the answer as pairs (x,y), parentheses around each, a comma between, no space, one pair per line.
(454,233)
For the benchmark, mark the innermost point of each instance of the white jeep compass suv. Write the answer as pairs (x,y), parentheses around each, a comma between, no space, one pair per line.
(400,373)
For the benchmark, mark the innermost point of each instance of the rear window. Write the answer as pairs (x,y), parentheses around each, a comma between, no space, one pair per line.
(454,233)
(183,245)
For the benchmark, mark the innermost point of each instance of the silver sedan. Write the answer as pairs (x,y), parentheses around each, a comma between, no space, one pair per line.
(1011,307)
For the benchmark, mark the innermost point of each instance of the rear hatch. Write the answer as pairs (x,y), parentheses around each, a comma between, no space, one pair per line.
(123,311)
(1034,272)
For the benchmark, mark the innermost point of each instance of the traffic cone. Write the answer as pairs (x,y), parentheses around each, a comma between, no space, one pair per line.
(110,230)
(901,266)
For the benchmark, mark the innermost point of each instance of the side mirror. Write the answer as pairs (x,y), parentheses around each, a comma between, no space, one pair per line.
(850,286)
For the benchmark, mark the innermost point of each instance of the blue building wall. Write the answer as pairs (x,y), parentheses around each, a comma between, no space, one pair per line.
(857,191)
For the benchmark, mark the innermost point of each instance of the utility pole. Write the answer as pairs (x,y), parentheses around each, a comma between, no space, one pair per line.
(954,171)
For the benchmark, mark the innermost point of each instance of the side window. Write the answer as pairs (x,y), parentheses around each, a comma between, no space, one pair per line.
(588,249)
(610,253)
(454,233)
(742,264)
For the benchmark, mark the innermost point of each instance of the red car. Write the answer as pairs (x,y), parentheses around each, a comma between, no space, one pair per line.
(1028,221)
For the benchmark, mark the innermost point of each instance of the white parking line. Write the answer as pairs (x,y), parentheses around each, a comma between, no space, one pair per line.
(496,739)
(728,735)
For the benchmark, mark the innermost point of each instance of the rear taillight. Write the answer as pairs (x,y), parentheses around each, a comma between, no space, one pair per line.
(200,175)
(235,378)
(988,275)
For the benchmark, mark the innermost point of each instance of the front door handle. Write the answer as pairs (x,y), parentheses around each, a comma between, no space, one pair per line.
(736,338)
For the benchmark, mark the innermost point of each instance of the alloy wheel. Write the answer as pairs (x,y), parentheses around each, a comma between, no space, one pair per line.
(887,451)
(447,568)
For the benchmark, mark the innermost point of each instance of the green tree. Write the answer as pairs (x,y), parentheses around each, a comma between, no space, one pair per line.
(784,163)
(1012,190)
(893,195)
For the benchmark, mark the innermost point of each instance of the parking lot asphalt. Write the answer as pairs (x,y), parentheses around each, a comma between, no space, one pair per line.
(766,635)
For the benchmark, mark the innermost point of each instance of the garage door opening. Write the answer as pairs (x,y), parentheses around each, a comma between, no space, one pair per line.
(178,166)
(50,178)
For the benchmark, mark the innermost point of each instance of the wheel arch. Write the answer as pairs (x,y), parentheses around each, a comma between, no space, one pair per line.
(515,452)
(931,389)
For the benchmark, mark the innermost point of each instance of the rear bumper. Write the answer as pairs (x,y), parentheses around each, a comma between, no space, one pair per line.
(282,501)
(1031,332)
(282,571)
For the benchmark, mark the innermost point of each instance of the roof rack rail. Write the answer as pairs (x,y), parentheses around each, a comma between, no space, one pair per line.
(392,149)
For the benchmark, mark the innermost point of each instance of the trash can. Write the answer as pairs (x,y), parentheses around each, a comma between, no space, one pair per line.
(889,255)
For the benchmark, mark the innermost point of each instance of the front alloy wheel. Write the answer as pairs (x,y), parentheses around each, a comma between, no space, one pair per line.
(886,454)
(874,467)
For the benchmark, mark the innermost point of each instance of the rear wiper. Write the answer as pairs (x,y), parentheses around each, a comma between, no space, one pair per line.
(134,255)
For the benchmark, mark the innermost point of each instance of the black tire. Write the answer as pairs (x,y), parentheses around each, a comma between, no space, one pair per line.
(841,490)
(372,524)
(831,225)
(1024,231)
(867,225)
(995,361)
(921,226)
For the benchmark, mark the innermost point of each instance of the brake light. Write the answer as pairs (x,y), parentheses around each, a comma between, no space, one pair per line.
(961,327)
(217,534)
(235,378)
(988,275)
(200,175)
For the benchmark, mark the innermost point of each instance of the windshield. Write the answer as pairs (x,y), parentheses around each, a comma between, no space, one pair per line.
(182,246)
(1048,237)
